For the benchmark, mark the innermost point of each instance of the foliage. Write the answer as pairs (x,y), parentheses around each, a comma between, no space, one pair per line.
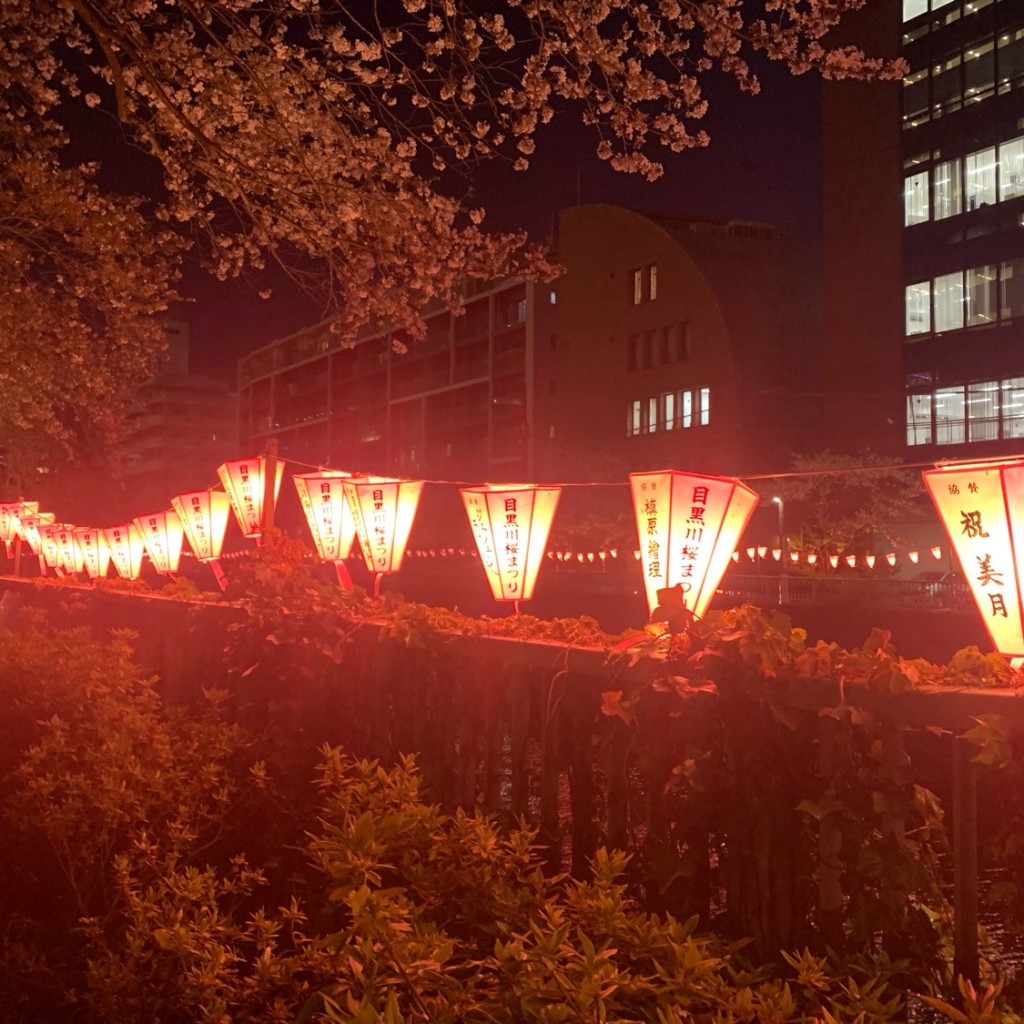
(839,502)
(328,138)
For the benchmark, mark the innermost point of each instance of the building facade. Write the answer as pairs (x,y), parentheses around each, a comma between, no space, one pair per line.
(924,234)
(962,127)
(667,342)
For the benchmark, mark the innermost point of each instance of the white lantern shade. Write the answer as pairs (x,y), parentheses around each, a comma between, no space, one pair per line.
(10,519)
(204,519)
(243,481)
(126,548)
(383,510)
(328,512)
(95,553)
(688,525)
(31,527)
(982,509)
(50,549)
(511,524)
(162,533)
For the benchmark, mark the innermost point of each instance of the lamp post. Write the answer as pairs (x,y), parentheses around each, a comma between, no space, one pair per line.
(783,548)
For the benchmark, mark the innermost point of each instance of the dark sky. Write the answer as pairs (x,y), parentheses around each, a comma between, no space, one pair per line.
(764,163)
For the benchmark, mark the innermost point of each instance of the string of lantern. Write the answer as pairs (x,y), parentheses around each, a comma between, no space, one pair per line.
(688,525)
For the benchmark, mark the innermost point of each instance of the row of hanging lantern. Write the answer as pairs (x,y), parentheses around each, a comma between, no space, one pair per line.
(688,526)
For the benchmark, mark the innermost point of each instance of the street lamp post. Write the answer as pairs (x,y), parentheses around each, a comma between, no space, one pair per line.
(784,549)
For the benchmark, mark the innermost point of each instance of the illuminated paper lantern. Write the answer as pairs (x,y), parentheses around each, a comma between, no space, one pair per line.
(383,510)
(982,508)
(913,556)
(162,533)
(95,553)
(688,526)
(851,561)
(243,481)
(891,558)
(937,553)
(833,560)
(511,524)
(762,550)
(68,551)
(10,521)
(50,551)
(870,559)
(329,516)
(812,559)
(204,519)
(126,548)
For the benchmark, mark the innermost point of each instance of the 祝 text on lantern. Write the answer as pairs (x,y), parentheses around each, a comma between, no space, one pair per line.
(688,527)
(982,509)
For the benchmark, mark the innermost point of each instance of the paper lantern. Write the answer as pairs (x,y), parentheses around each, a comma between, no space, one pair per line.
(29,531)
(982,508)
(937,553)
(688,526)
(383,510)
(10,521)
(68,551)
(329,516)
(812,558)
(870,559)
(162,533)
(833,560)
(891,558)
(762,551)
(511,524)
(126,548)
(851,561)
(243,481)
(95,553)
(50,551)
(204,520)
(913,556)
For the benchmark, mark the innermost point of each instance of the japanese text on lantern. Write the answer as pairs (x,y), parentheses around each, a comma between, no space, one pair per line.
(988,570)
(689,552)
(247,500)
(379,529)
(510,530)
(650,514)
(481,532)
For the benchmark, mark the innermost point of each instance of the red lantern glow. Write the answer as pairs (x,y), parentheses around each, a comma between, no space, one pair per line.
(126,548)
(329,516)
(69,553)
(511,524)
(689,525)
(10,520)
(982,509)
(95,553)
(162,533)
(244,482)
(204,519)
(383,510)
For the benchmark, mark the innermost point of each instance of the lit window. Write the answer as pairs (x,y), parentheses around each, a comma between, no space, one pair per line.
(981,295)
(686,409)
(914,8)
(652,415)
(1011,169)
(668,410)
(638,286)
(983,411)
(915,198)
(949,416)
(919,419)
(980,178)
(633,421)
(918,308)
(552,296)
(948,295)
(652,279)
(946,189)
(1013,407)
(705,406)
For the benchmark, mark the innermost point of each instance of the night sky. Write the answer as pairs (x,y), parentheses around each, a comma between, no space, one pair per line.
(764,163)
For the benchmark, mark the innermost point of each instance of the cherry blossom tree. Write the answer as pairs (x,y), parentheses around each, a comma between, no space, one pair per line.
(329,136)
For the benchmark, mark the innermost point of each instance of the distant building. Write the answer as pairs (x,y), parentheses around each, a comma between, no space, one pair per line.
(924,231)
(179,428)
(668,342)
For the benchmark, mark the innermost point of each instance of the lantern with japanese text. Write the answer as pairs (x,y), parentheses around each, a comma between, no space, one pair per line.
(688,525)
(70,554)
(383,510)
(95,553)
(126,548)
(204,518)
(50,550)
(981,506)
(245,484)
(162,533)
(329,516)
(10,521)
(510,524)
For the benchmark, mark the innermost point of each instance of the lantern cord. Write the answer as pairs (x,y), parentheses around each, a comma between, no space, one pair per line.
(377,577)
(782,475)
(344,579)
(218,574)
(515,607)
